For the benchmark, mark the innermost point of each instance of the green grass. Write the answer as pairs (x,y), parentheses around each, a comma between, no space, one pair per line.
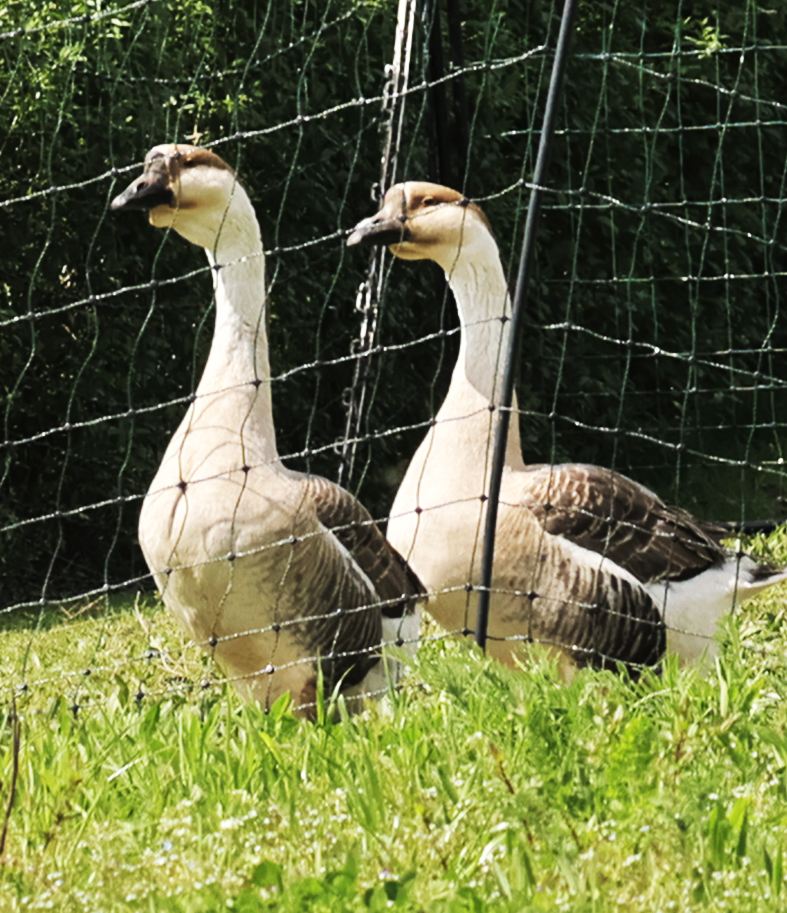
(144,784)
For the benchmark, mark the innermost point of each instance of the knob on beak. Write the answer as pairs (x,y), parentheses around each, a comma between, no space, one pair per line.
(149,190)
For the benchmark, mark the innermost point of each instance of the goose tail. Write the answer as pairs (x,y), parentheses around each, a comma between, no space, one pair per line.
(693,608)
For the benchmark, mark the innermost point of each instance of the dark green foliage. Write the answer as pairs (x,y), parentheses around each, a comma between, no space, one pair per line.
(88,98)
(663,238)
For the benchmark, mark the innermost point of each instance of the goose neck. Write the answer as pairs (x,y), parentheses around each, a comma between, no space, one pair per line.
(484,306)
(239,350)
(481,293)
(238,363)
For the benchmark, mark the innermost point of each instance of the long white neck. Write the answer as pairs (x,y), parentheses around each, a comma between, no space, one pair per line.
(479,285)
(238,362)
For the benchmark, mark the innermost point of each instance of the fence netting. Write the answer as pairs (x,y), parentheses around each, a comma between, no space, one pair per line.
(655,335)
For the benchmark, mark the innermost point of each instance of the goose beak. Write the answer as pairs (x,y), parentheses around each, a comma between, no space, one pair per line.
(379,231)
(151,189)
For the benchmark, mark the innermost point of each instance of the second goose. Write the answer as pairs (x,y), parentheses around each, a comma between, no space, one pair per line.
(586,561)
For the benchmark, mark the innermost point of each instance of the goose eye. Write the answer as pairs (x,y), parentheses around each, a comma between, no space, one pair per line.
(428,201)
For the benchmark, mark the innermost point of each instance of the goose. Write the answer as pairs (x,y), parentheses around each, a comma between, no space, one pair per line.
(587,561)
(282,576)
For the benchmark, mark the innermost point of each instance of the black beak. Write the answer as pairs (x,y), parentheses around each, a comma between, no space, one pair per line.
(149,190)
(379,231)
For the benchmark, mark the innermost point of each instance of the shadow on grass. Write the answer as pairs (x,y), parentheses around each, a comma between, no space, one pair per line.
(105,606)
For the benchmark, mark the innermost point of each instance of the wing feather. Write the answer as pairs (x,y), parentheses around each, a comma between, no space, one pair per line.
(613,516)
(574,599)
(372,580)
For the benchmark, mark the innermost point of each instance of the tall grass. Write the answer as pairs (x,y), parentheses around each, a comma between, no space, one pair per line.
(142,785)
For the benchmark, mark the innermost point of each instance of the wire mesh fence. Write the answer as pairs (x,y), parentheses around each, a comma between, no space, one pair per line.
(654,334)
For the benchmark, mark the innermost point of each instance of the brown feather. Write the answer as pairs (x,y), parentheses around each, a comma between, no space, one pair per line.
(614,516)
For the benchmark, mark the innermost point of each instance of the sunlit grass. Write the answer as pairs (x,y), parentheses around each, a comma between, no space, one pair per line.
(145,785)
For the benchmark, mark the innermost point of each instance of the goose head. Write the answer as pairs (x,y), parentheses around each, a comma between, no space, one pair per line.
(187,188)
(422,221)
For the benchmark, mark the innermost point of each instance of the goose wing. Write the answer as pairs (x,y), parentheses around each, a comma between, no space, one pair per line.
(395,583)
(572,598)
(609,514)
(372,580)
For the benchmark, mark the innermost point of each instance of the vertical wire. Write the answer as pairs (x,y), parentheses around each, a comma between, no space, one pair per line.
(520,297)
(369,295)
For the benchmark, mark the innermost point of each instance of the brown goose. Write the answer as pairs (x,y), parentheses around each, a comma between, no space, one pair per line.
(586,559)
(277,572)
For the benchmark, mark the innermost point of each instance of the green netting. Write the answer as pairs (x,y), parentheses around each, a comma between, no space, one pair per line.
(655,335)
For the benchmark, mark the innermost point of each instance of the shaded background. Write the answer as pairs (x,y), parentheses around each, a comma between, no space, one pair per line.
(655,335)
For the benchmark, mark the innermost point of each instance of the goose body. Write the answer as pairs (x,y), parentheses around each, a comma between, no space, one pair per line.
(276,572)
(587,561)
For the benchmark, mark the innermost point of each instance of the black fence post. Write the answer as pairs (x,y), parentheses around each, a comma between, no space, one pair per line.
(520,297)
